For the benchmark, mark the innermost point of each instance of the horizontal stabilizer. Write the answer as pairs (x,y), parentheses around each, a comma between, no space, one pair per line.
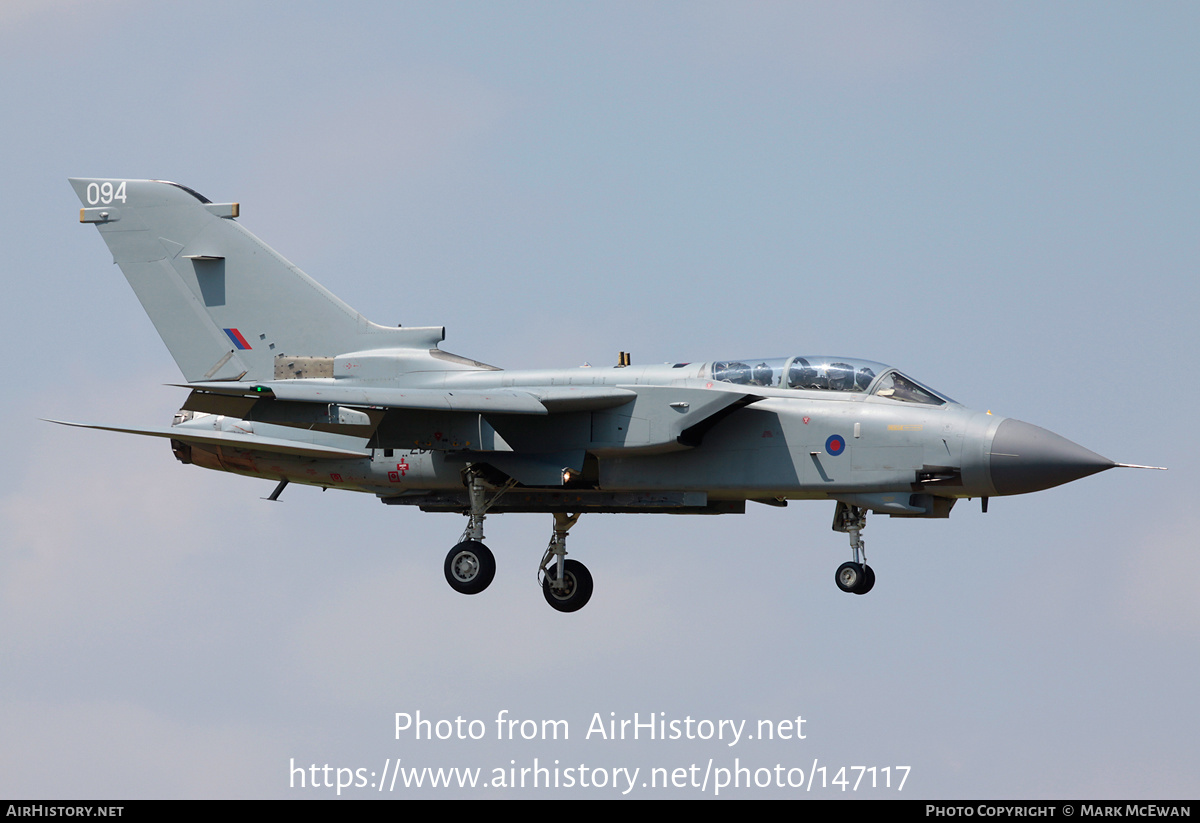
(234,441)
(541,400)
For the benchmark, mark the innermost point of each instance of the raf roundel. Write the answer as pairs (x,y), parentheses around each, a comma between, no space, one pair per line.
(835,445)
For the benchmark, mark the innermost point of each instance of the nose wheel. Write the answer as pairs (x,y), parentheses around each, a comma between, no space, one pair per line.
(855,578)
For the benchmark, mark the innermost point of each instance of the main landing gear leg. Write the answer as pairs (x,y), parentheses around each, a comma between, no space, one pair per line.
(856,576)
(567,585)
(470,566)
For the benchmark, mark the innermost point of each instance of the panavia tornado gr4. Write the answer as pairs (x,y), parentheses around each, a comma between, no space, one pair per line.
(290,384)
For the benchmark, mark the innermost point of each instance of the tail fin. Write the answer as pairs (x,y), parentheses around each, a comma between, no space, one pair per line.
(223,301)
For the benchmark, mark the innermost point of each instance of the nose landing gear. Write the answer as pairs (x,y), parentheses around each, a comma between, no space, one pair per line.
(855,577)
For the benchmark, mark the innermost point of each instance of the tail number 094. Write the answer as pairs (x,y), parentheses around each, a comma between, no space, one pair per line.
(105,193)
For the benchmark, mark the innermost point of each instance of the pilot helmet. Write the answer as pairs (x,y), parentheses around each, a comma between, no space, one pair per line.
(763,375)
(864,378)
(801,374)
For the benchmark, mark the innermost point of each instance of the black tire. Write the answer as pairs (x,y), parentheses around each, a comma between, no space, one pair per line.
(579,587)
(850,577)
(868,581)
(470,567)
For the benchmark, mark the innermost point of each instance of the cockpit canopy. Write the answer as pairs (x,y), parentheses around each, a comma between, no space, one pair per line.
(840,374)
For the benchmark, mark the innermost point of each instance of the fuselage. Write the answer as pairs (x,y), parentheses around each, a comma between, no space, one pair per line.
(804,428)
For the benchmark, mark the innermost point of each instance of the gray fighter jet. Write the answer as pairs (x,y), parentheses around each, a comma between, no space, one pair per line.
(288,383)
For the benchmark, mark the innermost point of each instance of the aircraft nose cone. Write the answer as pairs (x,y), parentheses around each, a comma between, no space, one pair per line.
(1027,458)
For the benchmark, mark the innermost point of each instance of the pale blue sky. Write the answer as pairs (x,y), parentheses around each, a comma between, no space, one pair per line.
(998,197)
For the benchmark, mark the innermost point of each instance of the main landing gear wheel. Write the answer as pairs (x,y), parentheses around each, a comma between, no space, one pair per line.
(470,567)
(855,578)
(578,587)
